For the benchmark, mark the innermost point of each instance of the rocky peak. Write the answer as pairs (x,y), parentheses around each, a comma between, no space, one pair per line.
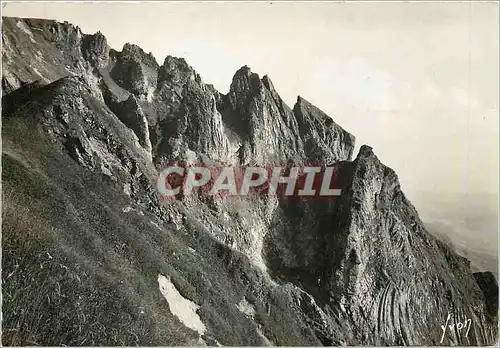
(244,85)
(134,52)
(271,91)
(176,71)
(95,49)
(323,138)
(135,71)
(268,84)
(64,31)
(365,151)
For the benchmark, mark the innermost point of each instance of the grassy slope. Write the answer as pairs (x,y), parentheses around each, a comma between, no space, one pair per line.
(80,271)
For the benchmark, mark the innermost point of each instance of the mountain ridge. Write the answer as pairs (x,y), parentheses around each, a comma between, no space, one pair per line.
(97,241)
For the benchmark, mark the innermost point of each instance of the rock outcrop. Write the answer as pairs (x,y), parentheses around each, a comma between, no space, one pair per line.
(93,256)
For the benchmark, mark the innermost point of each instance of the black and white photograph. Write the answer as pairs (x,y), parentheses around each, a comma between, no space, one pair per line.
(249,173)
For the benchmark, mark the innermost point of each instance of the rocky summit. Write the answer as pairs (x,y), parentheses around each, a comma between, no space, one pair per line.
(91,254)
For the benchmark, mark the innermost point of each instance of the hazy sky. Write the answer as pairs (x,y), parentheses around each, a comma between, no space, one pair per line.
(416,81)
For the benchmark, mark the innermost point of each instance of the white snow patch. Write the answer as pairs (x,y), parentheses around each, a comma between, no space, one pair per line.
(144,150)
(246,308)
(182,308)
(21,25)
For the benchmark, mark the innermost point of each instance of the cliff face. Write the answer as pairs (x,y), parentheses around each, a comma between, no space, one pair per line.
(92,256)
